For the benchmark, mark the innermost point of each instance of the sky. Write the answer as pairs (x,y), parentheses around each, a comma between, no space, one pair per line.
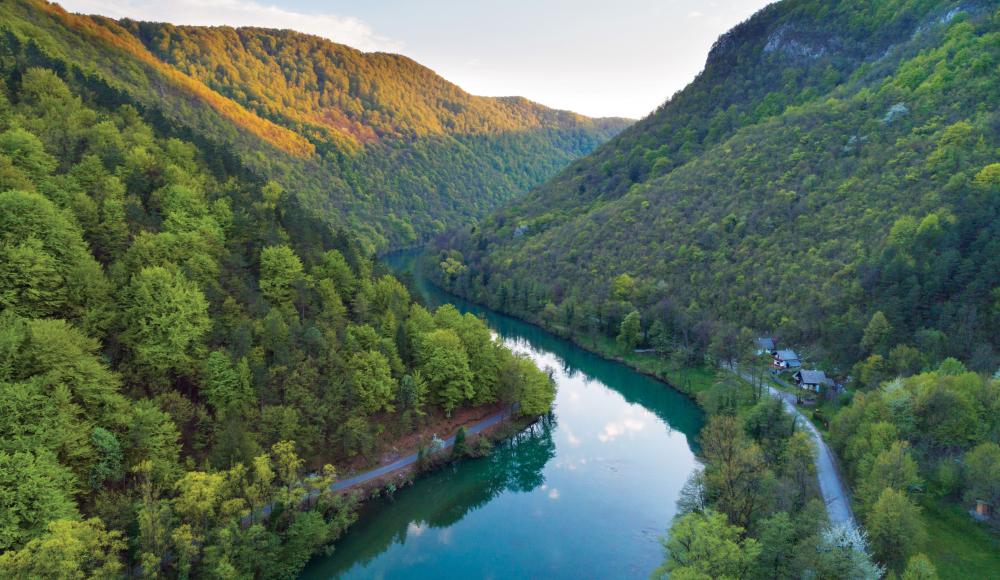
(602,58)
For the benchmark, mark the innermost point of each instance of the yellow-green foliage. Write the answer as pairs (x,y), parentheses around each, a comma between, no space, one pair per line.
(164,322)
(374,142)
(834,160)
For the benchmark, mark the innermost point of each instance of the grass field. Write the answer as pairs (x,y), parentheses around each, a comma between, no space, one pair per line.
(960,547)
(690,380)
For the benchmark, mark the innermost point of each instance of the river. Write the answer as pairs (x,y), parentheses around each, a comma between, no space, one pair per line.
(586,493)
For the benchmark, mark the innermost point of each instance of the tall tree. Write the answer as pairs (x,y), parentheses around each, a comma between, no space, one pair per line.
(34,490)
(370,381)
(877,334)
(630,331)
(445,365)
(895,529)
(705,545)
(67,549)
(982,474)
(280,271)
(736,477)
(165,320)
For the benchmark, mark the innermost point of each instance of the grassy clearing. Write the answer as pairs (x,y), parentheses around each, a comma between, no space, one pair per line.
(960,547)
(690,380)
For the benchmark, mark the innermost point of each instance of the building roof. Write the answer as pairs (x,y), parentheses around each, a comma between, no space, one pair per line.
(814,377)
(787,354)
(765,343)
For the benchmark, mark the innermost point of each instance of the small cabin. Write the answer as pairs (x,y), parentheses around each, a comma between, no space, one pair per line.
(983,510)
(815,381)
(786,359)
(765,345)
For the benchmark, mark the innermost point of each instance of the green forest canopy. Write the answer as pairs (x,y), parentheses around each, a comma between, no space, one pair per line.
(180,345)
(375,142)
(832,162)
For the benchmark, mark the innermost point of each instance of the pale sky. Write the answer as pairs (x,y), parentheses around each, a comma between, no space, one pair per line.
(596,57)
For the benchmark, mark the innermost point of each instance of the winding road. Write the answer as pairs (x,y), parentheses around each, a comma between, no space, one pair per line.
(412,458)
(838,505)
(386,469)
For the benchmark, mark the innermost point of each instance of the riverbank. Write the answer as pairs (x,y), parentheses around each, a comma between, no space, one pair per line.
(691,381)
(424,455)
(694,380)
(408,443)
(587,491)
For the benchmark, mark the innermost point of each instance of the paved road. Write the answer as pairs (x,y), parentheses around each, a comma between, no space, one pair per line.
(838,506)
(412,458)
(390,467)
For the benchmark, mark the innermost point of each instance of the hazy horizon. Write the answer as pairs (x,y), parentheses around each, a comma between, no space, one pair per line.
(594,58)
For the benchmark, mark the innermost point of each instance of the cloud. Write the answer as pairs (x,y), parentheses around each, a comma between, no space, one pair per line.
(445,536)
(570,436)
(342,29)
(615,429)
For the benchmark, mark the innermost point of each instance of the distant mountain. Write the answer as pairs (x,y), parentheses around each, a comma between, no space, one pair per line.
(373,141)
(833,160)
(168,318)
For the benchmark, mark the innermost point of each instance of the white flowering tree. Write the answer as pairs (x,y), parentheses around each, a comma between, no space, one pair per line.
(844,553)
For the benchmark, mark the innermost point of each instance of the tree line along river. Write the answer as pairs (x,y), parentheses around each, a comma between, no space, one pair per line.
(585,493)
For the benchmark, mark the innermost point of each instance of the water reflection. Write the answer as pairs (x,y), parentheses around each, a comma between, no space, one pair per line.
(445,497)
(573,362)
(584,493)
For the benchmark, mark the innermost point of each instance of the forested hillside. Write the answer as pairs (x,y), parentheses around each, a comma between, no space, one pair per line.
(833,177)
(375,142)
(183,345)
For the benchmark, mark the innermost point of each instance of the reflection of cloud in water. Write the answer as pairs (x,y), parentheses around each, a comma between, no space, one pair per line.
(439,500)
(552,493)
(570,464)
(571,438)
(615,429)
(610,448)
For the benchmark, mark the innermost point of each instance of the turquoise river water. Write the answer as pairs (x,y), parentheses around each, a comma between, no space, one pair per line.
(586,493)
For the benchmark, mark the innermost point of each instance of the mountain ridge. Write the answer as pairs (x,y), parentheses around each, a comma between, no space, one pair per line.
(273,47)
(386,162)
(765,193)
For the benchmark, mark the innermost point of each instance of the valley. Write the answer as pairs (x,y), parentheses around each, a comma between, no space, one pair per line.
(584,491)
(275,307)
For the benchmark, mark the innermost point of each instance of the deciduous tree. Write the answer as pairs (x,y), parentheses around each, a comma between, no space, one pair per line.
(895,528)
(705,545)
(165,319)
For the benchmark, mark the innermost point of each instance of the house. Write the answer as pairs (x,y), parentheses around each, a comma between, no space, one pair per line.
(786,359)
(815,381)
(765,345)
(983,511)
